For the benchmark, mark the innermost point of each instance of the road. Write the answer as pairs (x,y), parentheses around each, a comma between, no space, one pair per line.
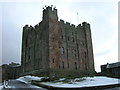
(17,85)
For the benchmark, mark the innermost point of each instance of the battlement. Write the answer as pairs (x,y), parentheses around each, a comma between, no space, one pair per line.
(67,23)
(26,27)
(85,23)
(62,21)
(37,25)
(50,9)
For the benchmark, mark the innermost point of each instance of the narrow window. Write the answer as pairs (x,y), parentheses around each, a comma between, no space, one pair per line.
(29,57)
(67,50)
(62,50)
(62,36)
(77,45)
(83,43)
(53,61)
(68,65)
(75,52)
(29,53)
(73,39)
(63,64)
(75,65)
(68,38)
(85,54)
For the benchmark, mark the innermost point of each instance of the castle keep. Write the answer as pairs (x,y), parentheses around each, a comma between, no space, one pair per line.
(56,48)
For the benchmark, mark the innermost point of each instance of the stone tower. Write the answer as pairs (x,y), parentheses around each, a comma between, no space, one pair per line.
(57,49)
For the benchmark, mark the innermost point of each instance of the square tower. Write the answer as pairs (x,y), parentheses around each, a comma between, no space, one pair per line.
(57,49)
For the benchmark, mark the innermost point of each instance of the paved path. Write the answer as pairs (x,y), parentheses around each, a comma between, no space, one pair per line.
(17,85)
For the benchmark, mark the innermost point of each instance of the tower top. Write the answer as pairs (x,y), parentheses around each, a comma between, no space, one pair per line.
(49,8)
(49,11)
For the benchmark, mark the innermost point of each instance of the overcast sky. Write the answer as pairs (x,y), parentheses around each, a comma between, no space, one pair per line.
(102,16)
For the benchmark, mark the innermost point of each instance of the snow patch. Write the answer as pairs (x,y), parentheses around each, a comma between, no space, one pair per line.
(61,79)
(1,87)
(85,82)
(28,79)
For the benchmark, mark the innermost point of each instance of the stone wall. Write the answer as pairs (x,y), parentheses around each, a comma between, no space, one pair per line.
(35,48)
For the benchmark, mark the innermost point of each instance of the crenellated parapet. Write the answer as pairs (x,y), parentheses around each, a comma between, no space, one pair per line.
(36,26)
(85,23)
(28,27)
(49,11)
(62,21)
(67,23)
(50,8)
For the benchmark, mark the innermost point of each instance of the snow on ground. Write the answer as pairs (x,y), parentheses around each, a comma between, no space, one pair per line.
(1,87)
(28,79)
(77,82)
(84,82)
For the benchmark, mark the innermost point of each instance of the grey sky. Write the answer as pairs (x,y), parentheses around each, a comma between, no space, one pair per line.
(102,17)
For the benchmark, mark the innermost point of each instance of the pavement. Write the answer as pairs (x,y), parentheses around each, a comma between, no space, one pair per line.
(17,85)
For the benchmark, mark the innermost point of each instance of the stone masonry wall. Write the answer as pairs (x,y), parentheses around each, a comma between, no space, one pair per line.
(35,49)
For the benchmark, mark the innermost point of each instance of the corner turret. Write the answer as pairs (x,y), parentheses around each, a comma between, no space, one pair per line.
(50,12)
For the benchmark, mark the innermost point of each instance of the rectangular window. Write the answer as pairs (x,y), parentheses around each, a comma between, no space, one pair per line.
(75,52)
(85,54)
(62,50)
(68,38)
(63,64)
(68,64)
(75,65)
(29,53)
(73,39)
(62,37)
(53,60)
